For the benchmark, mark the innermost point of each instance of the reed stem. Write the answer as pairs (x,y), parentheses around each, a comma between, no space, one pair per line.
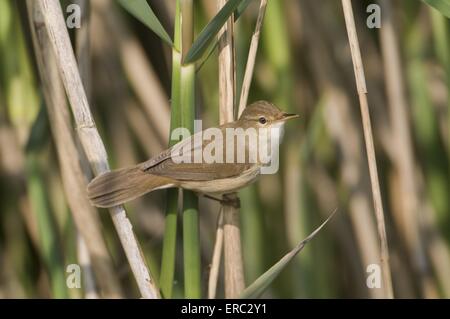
(368,137)
(191,232)
(90,138)
(170,231)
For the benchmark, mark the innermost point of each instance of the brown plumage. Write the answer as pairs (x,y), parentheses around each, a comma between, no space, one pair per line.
(122,185)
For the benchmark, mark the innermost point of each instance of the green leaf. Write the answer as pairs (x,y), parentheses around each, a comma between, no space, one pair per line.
(257,288)
(443,6)
(211,30)
(142,11)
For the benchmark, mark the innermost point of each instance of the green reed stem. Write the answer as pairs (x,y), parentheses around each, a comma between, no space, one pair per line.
(182,115)
(191,240)
(170,233)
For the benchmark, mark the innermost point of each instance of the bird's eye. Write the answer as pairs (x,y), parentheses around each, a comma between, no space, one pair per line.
(262,120)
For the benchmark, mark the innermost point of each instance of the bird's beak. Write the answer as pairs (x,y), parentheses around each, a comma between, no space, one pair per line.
(288,116)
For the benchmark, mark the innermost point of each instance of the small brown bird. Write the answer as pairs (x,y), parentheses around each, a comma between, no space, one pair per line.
(213,178)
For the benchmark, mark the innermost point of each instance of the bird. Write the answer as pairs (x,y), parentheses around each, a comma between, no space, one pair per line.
(167,170)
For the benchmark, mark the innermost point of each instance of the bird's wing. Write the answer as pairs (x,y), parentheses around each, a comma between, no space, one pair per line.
(167,154)
(166,164)
(198,172)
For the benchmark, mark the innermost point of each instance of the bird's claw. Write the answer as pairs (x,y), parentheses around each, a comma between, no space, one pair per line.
(227,200)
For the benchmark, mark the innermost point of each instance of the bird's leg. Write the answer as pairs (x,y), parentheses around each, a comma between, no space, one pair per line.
(227,199)
(231,200)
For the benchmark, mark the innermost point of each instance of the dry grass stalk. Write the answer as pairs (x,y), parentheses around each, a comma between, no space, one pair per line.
(82,47)
(403,156)
(234,268)
(248,75)
(226,70)
(368,137)
(90,139)
(217,253)
(342,127)
(84,214)
(233,262)
(89,285)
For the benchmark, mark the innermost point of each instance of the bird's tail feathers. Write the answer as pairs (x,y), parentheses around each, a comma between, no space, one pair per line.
(122,185)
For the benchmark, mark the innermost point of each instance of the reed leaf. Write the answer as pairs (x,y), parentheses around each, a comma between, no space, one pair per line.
(144,13)
(260,285)
(210,32)
(443,6)
(241,8)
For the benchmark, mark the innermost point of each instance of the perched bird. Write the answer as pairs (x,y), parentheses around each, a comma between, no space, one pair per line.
(212,178)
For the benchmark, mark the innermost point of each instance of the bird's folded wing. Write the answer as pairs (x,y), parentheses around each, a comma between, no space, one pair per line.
(198,172)
(168,153)
(166,164)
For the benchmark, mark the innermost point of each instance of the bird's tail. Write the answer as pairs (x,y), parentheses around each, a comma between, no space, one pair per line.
(122,185)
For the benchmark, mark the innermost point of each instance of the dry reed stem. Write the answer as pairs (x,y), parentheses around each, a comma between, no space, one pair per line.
(90,289)
(82,47)
(226,69)
(84,214)
(403,158)
(233,262)
(362,93)
(248,75)
(90,139)
(342,127)
(215,263)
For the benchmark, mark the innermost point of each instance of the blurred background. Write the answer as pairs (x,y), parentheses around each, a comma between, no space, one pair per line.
(303,66)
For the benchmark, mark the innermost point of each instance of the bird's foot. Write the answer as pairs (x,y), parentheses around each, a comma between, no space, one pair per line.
(227,200)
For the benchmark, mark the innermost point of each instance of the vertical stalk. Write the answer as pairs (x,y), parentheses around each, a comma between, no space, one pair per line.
(90,138)
(170,232)
(215,263)
(169,244)
(191,240)
(234,269)
(278,52)
(441,34)
(89,284)
(403,153)
(248,75)
(82,47)
(74,183)
(368,137)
